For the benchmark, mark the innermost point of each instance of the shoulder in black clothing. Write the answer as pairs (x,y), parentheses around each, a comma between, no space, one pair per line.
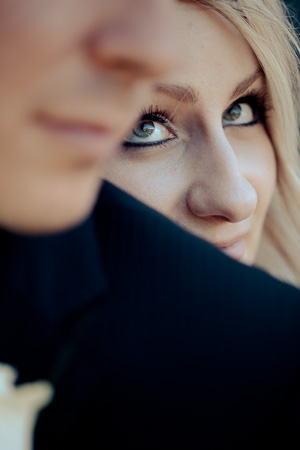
(207,348)
(175,346)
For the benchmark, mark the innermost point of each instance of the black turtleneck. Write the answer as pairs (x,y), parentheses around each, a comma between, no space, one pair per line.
(152,338)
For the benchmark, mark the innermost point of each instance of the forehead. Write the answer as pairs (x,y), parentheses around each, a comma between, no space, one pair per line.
(215,56)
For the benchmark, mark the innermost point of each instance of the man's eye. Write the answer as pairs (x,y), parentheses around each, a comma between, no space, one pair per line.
(239,114)
(148,132)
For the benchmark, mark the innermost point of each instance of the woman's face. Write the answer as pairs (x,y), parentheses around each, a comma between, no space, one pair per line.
(200,153)
(73,76)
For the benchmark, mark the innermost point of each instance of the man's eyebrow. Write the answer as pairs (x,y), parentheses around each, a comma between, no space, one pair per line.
(187,94)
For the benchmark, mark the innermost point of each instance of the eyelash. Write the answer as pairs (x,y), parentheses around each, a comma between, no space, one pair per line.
(154,114)
(258,101)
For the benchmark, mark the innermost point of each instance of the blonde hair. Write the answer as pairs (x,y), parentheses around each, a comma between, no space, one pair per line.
(266,26)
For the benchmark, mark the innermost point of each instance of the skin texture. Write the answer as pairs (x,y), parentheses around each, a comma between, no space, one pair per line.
(214,178)
(74,74)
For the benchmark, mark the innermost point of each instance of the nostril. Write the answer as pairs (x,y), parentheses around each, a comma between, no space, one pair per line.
(234,203)
(129,54)
(139,43)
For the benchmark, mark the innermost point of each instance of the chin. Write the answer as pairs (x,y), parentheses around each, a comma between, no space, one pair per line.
(50,214)
(48,224)
(58,224)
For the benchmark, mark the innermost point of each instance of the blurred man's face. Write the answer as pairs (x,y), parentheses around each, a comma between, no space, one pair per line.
(73,75)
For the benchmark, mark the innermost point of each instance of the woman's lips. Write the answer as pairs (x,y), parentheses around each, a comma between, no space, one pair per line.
(91,141)
(235,250)
(235,247)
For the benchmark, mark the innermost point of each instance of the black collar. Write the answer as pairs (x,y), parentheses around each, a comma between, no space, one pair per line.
(59,274)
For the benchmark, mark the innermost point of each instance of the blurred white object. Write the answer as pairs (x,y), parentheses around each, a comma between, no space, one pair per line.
(19,408)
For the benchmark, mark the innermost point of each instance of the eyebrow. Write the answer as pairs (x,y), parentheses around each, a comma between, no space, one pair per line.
(184,94)
(244,85)
(187,94)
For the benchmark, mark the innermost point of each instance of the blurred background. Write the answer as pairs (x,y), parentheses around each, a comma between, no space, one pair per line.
(295,6)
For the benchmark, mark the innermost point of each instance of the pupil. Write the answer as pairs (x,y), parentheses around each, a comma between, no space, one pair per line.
(234,112)
(144,129)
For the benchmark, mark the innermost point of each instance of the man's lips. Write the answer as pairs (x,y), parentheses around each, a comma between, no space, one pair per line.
(75,127)
(92,139)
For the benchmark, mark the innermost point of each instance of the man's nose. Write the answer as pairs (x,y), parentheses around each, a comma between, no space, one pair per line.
(138,40)
(221,190)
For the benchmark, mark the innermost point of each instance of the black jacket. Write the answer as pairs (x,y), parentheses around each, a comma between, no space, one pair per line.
(152,338)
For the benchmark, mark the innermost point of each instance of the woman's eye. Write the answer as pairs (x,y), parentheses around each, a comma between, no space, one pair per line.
(239,114)
(148,132)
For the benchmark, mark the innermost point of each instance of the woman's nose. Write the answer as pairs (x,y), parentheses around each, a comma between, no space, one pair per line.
(220,189)
(138,40)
